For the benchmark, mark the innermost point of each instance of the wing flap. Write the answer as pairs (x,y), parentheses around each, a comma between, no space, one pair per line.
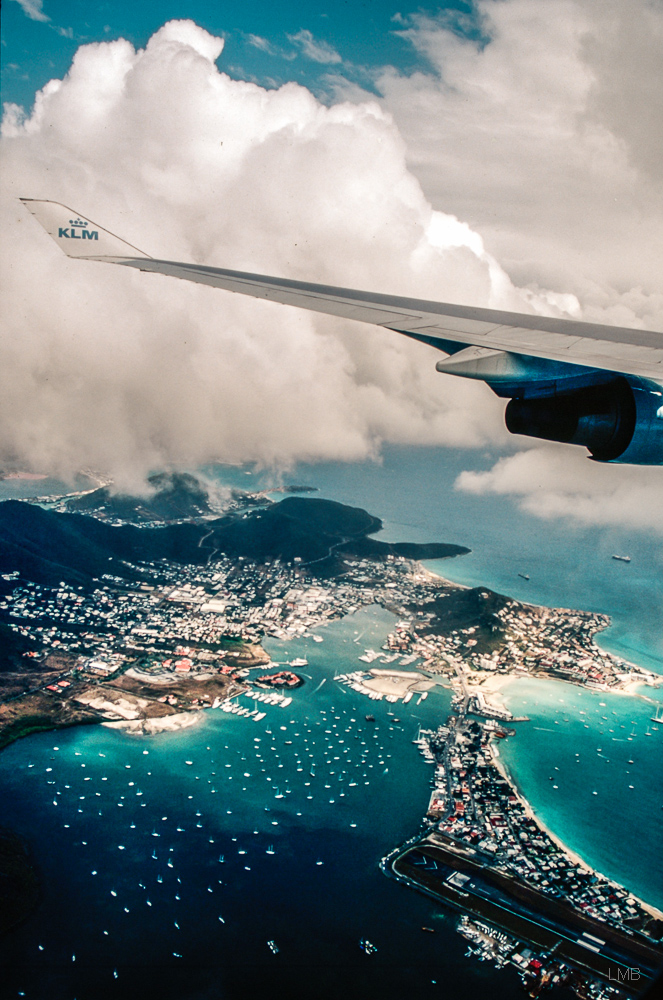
(465,328)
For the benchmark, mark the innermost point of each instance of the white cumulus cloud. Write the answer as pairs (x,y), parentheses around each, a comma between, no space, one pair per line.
(557,481)
(536,128)
(544,136)
(126,372)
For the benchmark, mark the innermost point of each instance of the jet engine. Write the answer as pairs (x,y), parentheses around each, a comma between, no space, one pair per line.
(617,421)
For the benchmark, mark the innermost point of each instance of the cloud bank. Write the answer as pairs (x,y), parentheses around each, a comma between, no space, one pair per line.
(127,372)
(534,149)
(539,125)
(552,481)
(543,132)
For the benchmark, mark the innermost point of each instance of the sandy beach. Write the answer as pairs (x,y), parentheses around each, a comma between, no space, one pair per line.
(437,577)
(633,688)
(575,858)
(150,727)
(491,686)
(494,685)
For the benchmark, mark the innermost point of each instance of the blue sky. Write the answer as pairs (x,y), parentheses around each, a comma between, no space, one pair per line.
(269,43)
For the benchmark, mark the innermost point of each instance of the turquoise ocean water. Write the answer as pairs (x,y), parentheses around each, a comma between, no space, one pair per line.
(171,861)
(317,912)
(569,565)
(412,490)
(591,765)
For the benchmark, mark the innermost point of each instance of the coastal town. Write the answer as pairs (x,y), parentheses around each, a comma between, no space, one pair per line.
(483,851)
(202,621)
(149,653)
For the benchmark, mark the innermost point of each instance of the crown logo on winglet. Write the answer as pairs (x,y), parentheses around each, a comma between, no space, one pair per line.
(80,223)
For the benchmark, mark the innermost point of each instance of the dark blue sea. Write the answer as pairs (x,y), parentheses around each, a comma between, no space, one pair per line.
(169,862)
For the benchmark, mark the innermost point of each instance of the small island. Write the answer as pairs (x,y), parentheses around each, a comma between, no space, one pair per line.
(143,628)
(282,679)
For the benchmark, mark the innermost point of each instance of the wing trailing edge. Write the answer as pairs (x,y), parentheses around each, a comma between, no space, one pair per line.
(449,327)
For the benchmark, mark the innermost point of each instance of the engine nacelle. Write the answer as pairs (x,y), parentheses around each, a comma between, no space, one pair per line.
(617,421)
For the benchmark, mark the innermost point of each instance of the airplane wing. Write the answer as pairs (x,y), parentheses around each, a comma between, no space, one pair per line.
(517,354)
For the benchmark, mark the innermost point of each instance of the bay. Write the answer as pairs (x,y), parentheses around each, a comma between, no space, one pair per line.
(316,895)
(317,913)
(591,766)
(570,565)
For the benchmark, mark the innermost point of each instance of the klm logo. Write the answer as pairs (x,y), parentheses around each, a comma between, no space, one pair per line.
(78,231)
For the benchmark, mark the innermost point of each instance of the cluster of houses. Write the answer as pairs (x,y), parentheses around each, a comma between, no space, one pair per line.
(473,803)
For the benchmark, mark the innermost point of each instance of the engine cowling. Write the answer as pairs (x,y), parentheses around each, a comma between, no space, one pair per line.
(617,421)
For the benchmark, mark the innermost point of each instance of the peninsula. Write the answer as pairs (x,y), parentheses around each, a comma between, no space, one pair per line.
(144,627)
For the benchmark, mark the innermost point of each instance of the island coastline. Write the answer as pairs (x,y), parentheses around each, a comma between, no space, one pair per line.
(459,657)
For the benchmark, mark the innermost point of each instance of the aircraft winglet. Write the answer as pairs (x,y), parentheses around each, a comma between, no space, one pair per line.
(78,236)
